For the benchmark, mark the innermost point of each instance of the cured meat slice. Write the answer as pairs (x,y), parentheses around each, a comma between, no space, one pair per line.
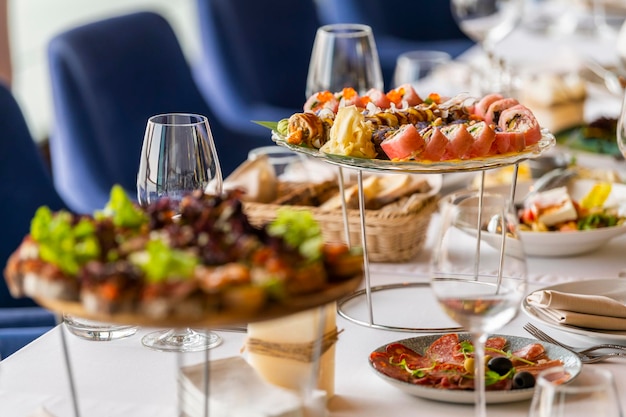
(492,116)
(520,119)
(480,109)
(483,136)
(459,141)
(436,143)
(403,143)
(445,349)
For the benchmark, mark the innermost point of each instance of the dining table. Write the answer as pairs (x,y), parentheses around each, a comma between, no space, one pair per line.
(61,373)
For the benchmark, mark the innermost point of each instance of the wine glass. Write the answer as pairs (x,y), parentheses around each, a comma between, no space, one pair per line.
(178,156)
(487,22)
(621,127)
(591,393)
(344,55)
(478,270)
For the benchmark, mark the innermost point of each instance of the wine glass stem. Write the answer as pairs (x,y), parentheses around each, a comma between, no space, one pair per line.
(480,403)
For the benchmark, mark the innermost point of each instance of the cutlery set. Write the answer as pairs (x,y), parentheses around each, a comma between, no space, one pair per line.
(586,355)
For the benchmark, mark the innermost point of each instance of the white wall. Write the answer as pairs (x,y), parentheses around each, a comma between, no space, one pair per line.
(33,22)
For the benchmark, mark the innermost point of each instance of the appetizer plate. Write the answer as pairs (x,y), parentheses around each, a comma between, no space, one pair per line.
(562,244)
(419,344)
(614,288)
(476,164)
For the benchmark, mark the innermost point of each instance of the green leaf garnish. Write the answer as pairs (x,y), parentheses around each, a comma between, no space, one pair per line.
(160,262)
(121,210)
(269,125)
(299,230)
(63,243)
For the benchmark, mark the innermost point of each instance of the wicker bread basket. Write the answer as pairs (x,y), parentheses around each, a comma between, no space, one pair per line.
(395,233)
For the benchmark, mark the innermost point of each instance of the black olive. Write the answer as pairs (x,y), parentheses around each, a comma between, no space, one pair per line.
(523,380)
(500,365)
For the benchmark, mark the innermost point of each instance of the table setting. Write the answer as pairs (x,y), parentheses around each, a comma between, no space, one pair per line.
(351,328)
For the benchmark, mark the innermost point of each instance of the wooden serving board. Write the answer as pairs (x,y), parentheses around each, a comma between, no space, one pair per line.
(274,310)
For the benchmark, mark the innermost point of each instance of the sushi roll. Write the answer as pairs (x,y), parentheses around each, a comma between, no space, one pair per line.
(403,143)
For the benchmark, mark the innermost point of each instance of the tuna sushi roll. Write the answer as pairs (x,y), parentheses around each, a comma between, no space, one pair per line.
(480,109)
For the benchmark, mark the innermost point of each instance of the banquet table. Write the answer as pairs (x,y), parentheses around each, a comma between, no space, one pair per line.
(123,378)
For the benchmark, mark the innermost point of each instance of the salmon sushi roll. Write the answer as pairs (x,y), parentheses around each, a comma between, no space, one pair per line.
(483,135)
(459,141)
(379,98)
(497,107)
(404,94)
(436,144)
(520,119)
(321,100)
(481,107)
(507,142)
(350,97)
(404,143)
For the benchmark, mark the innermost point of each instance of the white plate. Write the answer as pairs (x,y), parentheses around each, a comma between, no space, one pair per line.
(560,244)
(614,288)
(419,344)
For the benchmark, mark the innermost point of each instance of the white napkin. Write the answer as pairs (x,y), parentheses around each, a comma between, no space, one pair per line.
(236,390)
(581,310)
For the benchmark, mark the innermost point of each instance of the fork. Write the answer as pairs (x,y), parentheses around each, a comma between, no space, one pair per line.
(583,354)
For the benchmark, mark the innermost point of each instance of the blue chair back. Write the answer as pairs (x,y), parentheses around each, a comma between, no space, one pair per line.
(25,185)
(255,58)
(108,77)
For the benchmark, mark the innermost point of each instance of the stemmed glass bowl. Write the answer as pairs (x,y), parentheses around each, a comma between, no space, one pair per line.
(178,156)
(478,270)
(344,55)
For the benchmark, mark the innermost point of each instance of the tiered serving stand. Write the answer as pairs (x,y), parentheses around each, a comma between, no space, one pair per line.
(482,165)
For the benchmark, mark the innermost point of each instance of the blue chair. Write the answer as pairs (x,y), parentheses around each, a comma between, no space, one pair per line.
(400,26)
(26,184)
(107,78)
(254,59)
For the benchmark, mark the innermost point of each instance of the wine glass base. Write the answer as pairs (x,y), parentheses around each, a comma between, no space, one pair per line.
(181,341)
(97,331)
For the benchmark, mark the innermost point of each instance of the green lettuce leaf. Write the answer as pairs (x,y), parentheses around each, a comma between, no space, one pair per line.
(160,262)
(299,230)
(122,211)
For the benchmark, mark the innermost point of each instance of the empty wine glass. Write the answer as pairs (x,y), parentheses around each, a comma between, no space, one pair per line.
(591,393)
(488,22)
(621,128)
(344,55)
(478,270)
(178,156)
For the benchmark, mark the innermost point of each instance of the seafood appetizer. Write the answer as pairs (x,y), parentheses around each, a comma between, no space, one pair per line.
(401,126)
(185,260)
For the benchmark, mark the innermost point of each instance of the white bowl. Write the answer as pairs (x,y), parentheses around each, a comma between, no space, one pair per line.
(570,243)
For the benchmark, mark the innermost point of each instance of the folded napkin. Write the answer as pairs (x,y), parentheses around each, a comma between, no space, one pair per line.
(236,390)
(581,310)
